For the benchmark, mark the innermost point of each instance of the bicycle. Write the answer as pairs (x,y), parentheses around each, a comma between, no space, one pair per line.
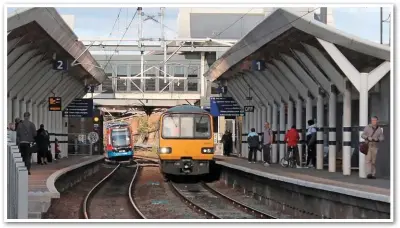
(289,160)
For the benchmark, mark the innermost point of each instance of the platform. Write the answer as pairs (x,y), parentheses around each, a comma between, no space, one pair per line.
(40,173)
(42,181)
(377,189)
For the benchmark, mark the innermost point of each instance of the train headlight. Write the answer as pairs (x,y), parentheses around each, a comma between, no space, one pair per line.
(164,150)
(207,150)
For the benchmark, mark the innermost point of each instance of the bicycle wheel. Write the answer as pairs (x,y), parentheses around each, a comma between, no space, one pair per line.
(284,163)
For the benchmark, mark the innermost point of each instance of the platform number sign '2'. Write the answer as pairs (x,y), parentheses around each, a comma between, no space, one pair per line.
(258,65)
(60,65)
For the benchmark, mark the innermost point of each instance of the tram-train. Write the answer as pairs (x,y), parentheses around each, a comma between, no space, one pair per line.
(185,141)
(119,143)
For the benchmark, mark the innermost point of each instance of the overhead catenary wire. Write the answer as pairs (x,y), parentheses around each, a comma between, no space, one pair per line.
(126,30)
(217,35)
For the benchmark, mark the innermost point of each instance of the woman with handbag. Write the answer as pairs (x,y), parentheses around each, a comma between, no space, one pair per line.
(372,135)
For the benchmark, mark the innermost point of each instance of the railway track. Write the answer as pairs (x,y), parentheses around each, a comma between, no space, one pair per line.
(117,186)
(213,204)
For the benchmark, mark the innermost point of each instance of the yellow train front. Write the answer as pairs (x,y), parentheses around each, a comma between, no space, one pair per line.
(186,142)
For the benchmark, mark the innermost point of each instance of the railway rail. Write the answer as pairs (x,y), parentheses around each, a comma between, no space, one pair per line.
(86,204)
(213,204)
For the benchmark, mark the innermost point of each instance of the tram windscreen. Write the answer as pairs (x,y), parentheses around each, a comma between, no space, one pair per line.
(188,126)
(120,137)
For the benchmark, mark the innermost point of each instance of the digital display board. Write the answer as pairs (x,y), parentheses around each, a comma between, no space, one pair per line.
(54,104)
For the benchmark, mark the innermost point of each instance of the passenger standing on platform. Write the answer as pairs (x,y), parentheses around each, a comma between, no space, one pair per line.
(43,142)
(267,141)
(373,134)
(311,137)
(26,133)
(227,142)
(292,138)
(17,121)
(254,143)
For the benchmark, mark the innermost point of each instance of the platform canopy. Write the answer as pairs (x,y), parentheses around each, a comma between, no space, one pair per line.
(301,54)
(37,40)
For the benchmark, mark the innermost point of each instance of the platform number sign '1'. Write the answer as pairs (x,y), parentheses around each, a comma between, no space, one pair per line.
(60,65)
(258,65)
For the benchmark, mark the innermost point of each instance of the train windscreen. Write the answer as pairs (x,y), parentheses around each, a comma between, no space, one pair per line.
(188,126)
(120,137)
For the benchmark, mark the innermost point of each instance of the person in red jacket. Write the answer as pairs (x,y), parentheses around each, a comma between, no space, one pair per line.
(292,138)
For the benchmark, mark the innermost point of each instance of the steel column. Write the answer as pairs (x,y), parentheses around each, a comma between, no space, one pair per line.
(275,132)
(282,131)
(332,129)
(363,119)
(269,113)
(320,132)
(290,115)
(299,126)
(346,163)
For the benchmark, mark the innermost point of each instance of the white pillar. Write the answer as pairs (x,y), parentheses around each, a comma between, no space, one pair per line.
(54,127)
(259,120)
(299,126)
(64,150)
(309,116)
(274,156)
(9,111)
(320,132)
(259,127)
(309,108)
(263,117)
(346,160)
(290,115)
(35,114)
(332,129)
(281,131)
(363,119)
(22,108)
(246,132)
(263,120)
(269,114)
(16,107)
(46,118)
(41,114)
(202,71)
(29,109)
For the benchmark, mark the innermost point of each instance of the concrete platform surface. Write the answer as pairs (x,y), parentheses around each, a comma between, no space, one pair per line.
(42,182)
(378,189)
(40,173)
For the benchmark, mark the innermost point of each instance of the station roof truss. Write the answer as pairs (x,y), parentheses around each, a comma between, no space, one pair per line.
(37,39)
(310,55)
(44,31)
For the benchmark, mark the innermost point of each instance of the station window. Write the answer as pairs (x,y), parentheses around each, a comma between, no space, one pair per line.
(179,71)
(135,82)
(150,84)
(122,71)
(193,71)
(193,85)
(164,86)
(179,85)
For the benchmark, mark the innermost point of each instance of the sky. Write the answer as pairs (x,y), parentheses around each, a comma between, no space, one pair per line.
(98,22)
